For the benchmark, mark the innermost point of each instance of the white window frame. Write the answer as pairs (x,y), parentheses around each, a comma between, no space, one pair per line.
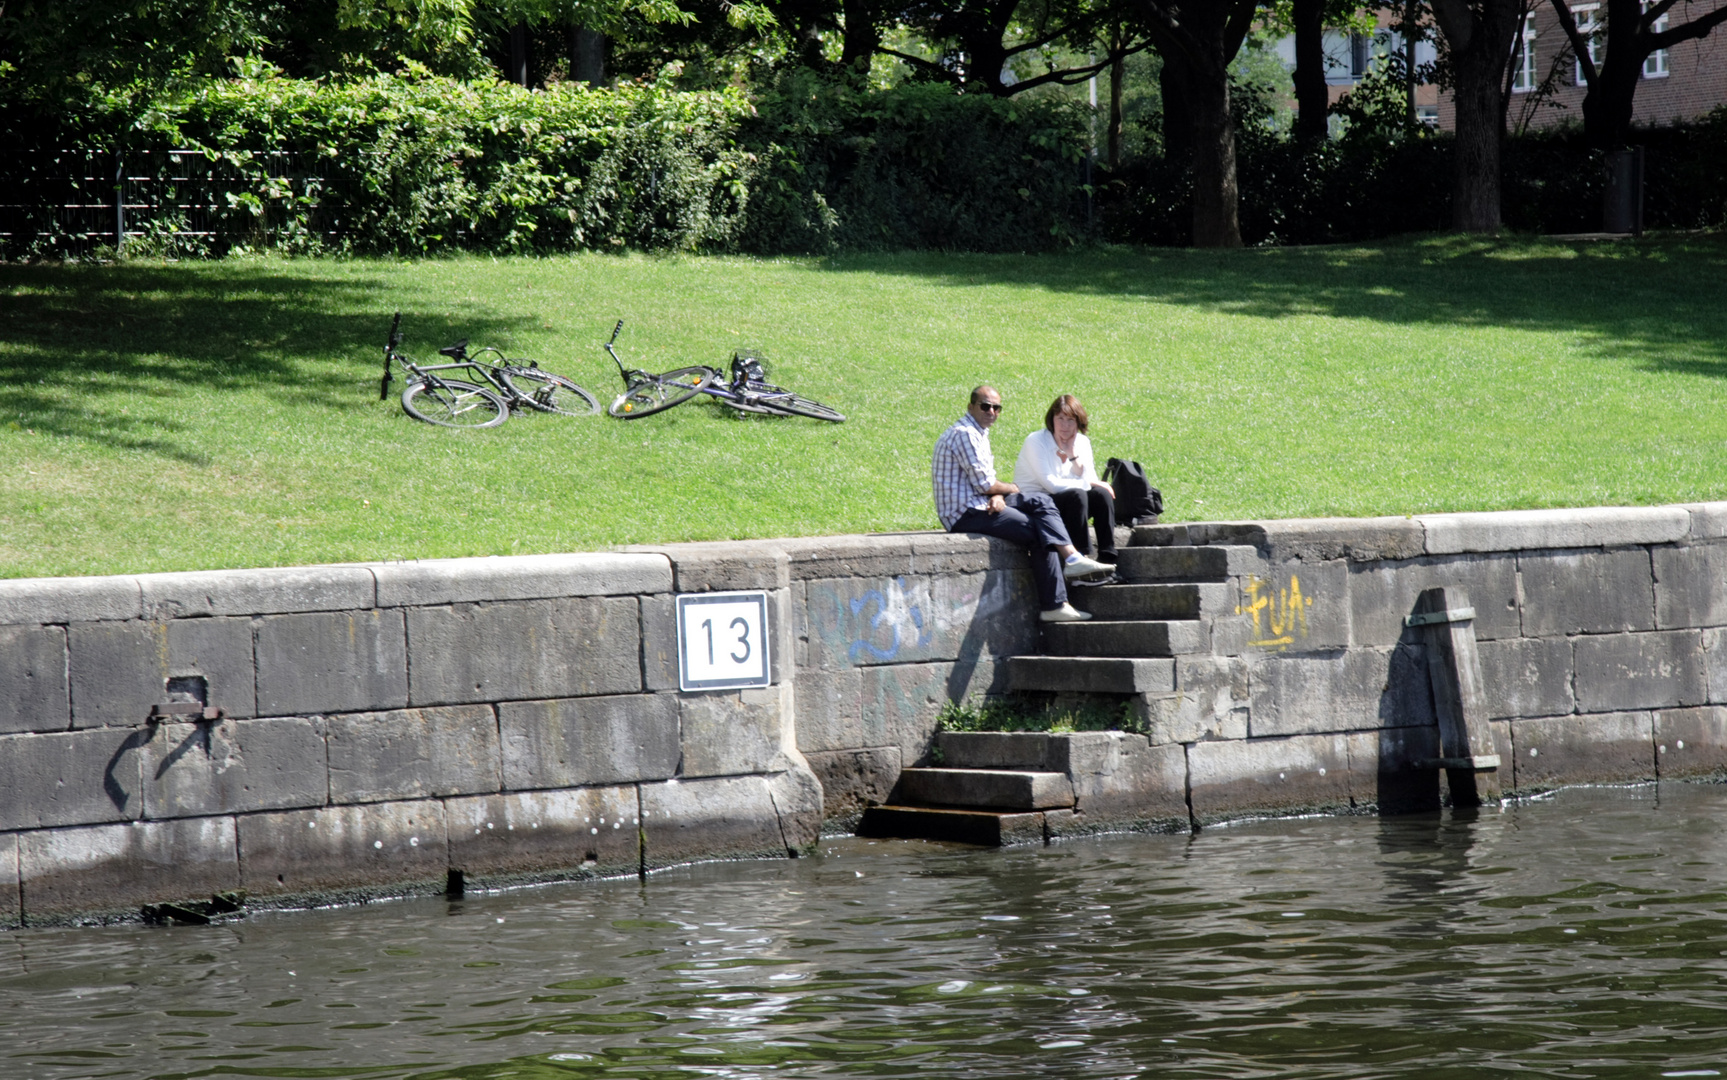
(1525,80)
(1655,65)
(1590,29)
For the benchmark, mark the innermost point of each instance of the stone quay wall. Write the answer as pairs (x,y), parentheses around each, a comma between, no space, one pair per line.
(400,728)
(1600,634)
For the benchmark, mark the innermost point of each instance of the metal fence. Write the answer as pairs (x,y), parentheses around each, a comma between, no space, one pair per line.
(179,198)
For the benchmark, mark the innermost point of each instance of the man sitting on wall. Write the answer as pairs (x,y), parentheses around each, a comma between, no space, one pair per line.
(969,499)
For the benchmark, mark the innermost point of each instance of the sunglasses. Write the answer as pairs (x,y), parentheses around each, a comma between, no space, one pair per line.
(988,407)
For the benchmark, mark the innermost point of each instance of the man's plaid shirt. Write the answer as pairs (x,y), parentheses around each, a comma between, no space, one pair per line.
(963,468)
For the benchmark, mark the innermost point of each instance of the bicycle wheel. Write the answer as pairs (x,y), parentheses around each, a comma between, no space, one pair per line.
(657,393)
(551,393)
(454,404)
(778,399)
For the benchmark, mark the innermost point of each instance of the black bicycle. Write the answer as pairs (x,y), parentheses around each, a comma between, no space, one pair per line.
(748,390)
(493,390)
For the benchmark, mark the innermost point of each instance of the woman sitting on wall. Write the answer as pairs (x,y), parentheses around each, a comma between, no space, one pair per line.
(1057,461)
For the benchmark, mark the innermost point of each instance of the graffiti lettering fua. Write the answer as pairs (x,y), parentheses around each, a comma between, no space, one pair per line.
(1279,614)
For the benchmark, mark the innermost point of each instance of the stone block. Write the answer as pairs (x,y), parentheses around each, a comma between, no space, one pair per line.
(1144,639)
(1268,777)
(1033,750)
(71,778)
(33,686)
(233,766)
(120,669)
(1092,675)
(995,789)
(1384,774)
(273,591)
(1210,701)
(324,662)
(1120,782)
(685,821)
(341,854)
(1691,744)
(724,566)
(659,643)
(901,704)
(1296,606)
(1690,585)
(1708,520)
(1313,540)
(1714,644)
(875,556)
(106,873)
(414,754)
(852,781)
(525,649)
(1527,676)
(1602,748)
(38,601)
(1587,592)
(1640,671)
(1382,594)
(578,742)
(797,797)
(1524,530)
(502,840)
(1354,690)
(520,577)
(829,710)
(909,619)
(731,732)
(1187,564)
(11,913)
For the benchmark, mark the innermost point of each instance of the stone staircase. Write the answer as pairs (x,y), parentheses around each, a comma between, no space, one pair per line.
(1170,609)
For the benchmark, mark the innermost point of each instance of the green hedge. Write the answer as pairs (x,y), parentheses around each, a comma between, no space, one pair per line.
(426,164)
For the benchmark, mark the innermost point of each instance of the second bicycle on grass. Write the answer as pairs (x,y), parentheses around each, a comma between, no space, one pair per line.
(494,386)
(646,393)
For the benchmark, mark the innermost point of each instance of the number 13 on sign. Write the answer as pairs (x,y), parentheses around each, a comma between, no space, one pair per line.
(722,640)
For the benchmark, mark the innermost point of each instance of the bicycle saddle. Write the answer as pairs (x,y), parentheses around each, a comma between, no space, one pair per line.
(458,351)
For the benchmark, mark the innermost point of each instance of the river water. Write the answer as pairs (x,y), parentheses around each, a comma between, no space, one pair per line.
(1581,935)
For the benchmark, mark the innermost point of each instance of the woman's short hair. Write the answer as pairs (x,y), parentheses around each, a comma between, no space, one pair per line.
(1070,404)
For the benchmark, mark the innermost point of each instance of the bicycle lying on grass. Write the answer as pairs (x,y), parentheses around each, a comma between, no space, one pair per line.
(748,390)
(497,387)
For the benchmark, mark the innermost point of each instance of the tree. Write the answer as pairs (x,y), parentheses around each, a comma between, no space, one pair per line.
(1478,36)
(1633,35)
(981,39)
(1197,40)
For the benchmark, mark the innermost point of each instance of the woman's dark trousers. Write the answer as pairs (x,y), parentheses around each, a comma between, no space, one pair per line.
(1099,506)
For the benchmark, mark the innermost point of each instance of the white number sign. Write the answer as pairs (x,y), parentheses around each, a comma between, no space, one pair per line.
(723,640)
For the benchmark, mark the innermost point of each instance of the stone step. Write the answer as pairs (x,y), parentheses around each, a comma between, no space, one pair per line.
(1130,638)
(959,826)
(995,789)
(1183,564)
(1091,674)
(1185,600)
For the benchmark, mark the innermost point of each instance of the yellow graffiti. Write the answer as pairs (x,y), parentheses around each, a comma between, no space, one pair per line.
(1279,615)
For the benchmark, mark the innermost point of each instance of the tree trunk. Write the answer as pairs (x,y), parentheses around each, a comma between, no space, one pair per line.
(862,36)
(1216,198)
(518,72)
(1480,37)
(1173,82)
(1116,73)
(588,56)
(1312,96)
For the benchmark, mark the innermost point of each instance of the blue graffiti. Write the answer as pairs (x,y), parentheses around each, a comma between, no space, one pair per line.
(885,611)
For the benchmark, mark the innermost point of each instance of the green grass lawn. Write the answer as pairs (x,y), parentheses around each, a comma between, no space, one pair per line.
(197,415)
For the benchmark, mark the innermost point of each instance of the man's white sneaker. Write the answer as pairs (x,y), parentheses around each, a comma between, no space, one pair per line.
(1080,566)
(1065,613)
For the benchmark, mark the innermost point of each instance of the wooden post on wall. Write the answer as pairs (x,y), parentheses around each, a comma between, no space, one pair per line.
(1447,622)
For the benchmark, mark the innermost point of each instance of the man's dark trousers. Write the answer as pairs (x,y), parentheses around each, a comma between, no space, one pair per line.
(1029,521)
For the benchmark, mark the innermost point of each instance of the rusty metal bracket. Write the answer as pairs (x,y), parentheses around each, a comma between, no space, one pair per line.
(1434,618)
(1478,763)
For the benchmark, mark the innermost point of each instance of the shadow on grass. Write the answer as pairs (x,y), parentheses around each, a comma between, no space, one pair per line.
(78,342)
(1655,301)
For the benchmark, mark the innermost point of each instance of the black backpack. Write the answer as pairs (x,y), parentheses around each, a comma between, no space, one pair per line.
(1135,498)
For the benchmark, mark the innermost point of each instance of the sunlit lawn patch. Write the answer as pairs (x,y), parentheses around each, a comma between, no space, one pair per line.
(177,416)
